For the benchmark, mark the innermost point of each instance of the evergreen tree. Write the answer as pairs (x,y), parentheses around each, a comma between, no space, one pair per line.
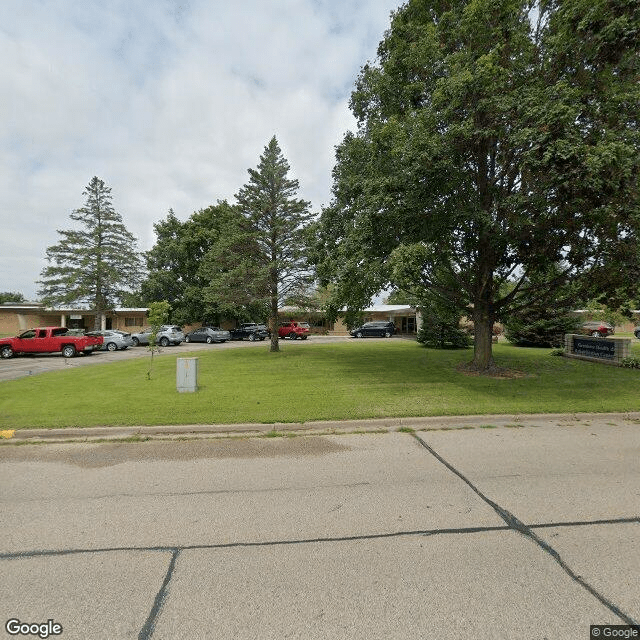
(178,263)
(262,258)
(95,265)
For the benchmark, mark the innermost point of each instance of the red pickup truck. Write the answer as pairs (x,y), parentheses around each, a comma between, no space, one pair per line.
(293,330)
(49,340)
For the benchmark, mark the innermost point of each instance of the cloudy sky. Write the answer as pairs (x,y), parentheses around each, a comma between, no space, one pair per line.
(169,102)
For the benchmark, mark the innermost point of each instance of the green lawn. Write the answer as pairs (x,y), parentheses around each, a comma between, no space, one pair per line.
(346,380)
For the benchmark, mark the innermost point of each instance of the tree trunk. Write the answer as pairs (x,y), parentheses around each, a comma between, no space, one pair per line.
(483,320)
(273,325)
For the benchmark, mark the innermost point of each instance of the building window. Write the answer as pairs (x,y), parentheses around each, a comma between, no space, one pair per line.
(133,322)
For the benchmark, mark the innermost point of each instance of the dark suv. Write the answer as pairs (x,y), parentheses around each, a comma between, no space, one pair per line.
(379,328)
(250,330)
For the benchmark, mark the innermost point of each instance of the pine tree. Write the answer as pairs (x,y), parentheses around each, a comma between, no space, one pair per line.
(95,265)
(277,219)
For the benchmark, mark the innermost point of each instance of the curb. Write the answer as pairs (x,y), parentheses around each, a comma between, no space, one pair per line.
(417,423)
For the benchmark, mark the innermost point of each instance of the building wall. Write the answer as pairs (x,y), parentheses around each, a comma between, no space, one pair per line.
(406,322)
(14,320)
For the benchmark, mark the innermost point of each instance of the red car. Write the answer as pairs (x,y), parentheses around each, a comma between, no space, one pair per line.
(50,340)
(597,329)
(293,330)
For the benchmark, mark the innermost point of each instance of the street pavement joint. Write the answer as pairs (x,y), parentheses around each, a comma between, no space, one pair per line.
(515,524)
(147,629)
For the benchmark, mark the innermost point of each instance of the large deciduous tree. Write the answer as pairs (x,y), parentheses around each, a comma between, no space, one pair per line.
(96,264)
(265,253)
(11,296)
(496,141)
(178,263)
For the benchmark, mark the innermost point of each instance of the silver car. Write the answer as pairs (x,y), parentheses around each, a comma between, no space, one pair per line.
(208,335)
(168,334)
(114,340)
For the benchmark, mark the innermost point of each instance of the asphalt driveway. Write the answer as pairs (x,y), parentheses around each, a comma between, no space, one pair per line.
(29,365)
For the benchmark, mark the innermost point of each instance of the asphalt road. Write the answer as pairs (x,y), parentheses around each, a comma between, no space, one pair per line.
(524,533)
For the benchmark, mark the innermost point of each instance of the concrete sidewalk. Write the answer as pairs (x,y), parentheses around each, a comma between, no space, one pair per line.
(327,426)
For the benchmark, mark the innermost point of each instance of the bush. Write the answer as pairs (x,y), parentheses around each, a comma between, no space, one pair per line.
(631,363)
(536,331)
(443,335)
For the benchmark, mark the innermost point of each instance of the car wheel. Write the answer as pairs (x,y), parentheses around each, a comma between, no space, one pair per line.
(164,342)
(187,339)
(293,335)
(252,337)
(209,340)
(595,334)
(111,346)
(6,352)
(359,334)
(136,342)
(303,337)
(68,351)
(387,334)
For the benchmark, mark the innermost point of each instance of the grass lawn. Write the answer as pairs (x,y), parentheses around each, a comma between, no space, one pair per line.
(341,381)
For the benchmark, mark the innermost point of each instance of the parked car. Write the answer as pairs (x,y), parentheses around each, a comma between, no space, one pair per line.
(597,329)
(293,330)
(379,328)
(636,332)
(250,330)
(49,340)
(208,335)
(168,334)
(113,340)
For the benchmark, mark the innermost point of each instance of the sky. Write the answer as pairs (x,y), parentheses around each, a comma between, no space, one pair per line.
(170,102)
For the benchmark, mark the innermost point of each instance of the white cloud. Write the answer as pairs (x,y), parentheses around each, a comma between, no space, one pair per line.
(169,102)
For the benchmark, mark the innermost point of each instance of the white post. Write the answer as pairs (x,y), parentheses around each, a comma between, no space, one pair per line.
(418,320)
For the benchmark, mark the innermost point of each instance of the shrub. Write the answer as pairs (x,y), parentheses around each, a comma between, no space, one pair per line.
(443,335)
(540,330)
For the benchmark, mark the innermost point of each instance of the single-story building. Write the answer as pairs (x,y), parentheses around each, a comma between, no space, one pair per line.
(19,316)
(406,318)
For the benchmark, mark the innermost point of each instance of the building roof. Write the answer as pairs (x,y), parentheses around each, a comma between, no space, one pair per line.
(382,308)
(40,307)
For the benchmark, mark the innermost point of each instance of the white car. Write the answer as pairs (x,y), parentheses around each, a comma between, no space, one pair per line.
(168,334)
(114,340)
